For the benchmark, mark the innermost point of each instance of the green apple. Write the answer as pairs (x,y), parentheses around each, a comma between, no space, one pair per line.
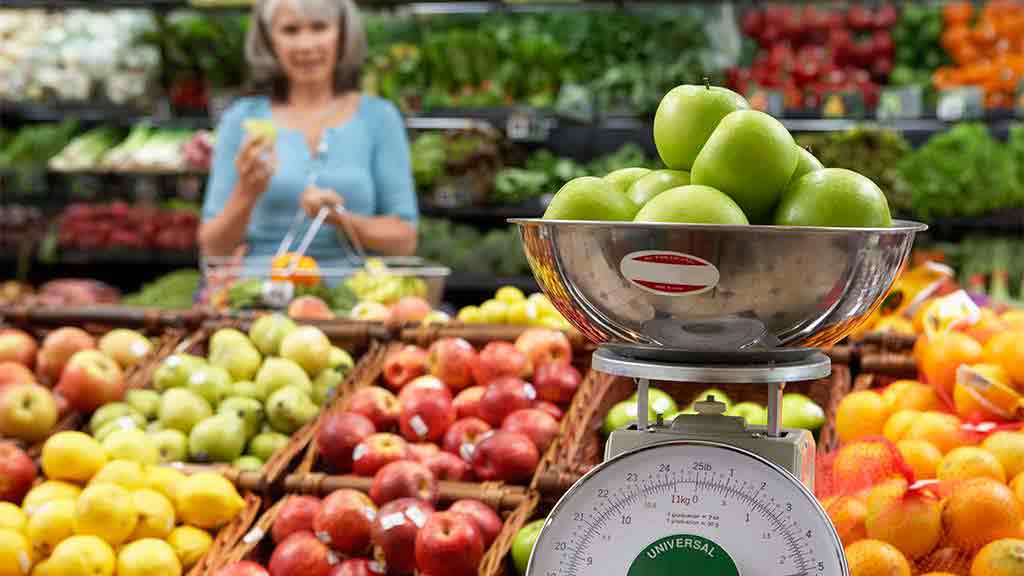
(267,332)
(719,395)
(219,438)
(172,445)
(589,198)
(623,178)
(289,409)
(692,204)
(260,128)
(241,360)
(146,402)
(686,118)
(247,463)
(324,386)
(752,412)
(750,157)
(522,544)
(213,383)
(834,197)
(181,409)
(805,164)
(266,444)
(175,371)
(799,411)
(115,411)
(658,401)
(655,183)
(276,373)
(248,409)
(248,389)
(339,359)
(225,338)
(308,347)
(112,426)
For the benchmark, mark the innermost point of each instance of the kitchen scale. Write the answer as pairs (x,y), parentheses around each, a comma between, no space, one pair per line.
(705,494)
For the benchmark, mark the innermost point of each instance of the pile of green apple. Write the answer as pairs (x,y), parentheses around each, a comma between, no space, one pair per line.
(798,411)
(726,164)
(240,404)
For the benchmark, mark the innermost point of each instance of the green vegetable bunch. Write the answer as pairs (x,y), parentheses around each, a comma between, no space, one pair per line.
(172,291)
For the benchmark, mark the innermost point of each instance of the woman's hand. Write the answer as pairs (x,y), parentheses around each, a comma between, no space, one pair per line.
(313,199)
(255,165)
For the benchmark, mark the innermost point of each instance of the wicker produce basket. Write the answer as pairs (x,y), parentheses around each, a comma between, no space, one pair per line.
(148,319)
(882,342)
(894,364)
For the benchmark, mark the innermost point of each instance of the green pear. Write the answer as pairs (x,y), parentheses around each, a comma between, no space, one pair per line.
(224,338)
(172,445)
(147,402)
(750,157)
(213,383)
(248,409)
(267,332)
(340,360)
(175,371)
(181,409)
(154,427)
(834,197)
(655,183)
(805,164)
(247,463)
(241,360)
(112,426)
(752,412)
(248,389)
(589,198)
(623,178)
(324,386)
(308,347)
(277,373)
(266,444)
(219,438)
(115,411)
(289,409)
(692,204)
(799,411)
(686,117)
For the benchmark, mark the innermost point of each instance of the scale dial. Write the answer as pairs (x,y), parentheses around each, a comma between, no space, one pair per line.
(688,507)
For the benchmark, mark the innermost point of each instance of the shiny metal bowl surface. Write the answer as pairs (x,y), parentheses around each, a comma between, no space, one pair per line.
(714,287)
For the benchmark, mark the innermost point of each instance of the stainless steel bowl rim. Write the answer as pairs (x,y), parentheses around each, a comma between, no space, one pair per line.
(898,226)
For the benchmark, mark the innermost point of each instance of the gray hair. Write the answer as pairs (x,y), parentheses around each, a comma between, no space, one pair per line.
(266,70)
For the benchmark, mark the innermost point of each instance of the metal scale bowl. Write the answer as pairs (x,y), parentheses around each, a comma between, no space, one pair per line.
(706,493)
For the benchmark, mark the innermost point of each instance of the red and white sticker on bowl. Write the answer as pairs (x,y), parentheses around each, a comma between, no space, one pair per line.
(669,273)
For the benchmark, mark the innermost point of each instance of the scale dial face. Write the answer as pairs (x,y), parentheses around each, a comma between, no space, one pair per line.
(688,507)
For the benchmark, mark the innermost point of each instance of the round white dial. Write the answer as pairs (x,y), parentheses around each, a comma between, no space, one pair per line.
(686,507)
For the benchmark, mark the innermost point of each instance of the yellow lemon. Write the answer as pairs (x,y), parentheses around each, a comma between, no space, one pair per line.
(72,456)
(15,554)
(148,557)
(509,295)
(127,474)
(470,315)
(208,500)
(12,517)
(52,523)
(156,515)
(165,480)
(107,511)
(190,544)
(523,313)
(49,491)
(494,312)
(81,556)
(131,444)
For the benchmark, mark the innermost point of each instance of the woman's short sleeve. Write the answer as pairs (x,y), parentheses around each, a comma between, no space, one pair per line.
(223,175)
(392,170)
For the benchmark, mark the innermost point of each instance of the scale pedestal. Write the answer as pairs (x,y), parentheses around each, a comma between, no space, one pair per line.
(791,449)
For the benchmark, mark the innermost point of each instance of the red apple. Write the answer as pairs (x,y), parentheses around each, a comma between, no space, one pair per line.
(453,361)
(425,417)
(377,451)
(14,373)
(358,567)
(504,455)
(503,397)
(404,365)
(410,310)
(499,359)
(17,346)
(377,404)
(243,568)
(449,543)
(487,520)
(423,385)
(404,479)
(557,381)
(463,435)
(309,308)
(346,519)
(58,348)
(550,408)
(301,554)
(423,451)
(394,533)
(448,466)
(28,412)
(17,473)
(542,346)
(295,515)
(467,403)
(339,434)
(90,380)
(537,424)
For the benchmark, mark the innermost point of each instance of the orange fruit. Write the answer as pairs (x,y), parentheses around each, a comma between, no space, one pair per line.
(1000,558)
(860,414)
(1013,319)
(921,456)
(967,404)
(1007,350)
(898,424)
(847,514)
(986,327)
(939,574)
(979,511)
(970,462)
(876,558)
(911,395)
(1017,485)
(943,354)
(860,465)
(910,520)
(941,429)
(1008,447)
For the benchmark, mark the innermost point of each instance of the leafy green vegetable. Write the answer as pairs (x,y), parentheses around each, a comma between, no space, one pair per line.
(172,291)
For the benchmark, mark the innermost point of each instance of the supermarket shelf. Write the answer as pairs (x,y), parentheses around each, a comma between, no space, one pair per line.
(460,282)
(93,113)
(484,214)
(161,258)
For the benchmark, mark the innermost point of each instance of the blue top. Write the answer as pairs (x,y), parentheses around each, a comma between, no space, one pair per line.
(365,160)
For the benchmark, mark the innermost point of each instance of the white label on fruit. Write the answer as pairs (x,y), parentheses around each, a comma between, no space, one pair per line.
(140,348)
(370,513)
(417,517)
(24,563)
(332,558)
(173,361)
(197,378)
(669,273)
(466,451)
(323,537)
(376,566)
(418,426)
(125,422)
(253,536)
(359,452)
(392,520)
(530,392)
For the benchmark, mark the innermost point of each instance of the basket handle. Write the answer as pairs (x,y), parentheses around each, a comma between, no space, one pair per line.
(311,232)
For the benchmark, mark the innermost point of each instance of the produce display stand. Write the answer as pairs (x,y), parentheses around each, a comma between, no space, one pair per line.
(111,316)
(480,334)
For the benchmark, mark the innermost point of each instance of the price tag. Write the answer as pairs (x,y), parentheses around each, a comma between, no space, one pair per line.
(277,294)
(765,100)
(964,103)
(900,103)
(529,126)
(453,193)
(843,104)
